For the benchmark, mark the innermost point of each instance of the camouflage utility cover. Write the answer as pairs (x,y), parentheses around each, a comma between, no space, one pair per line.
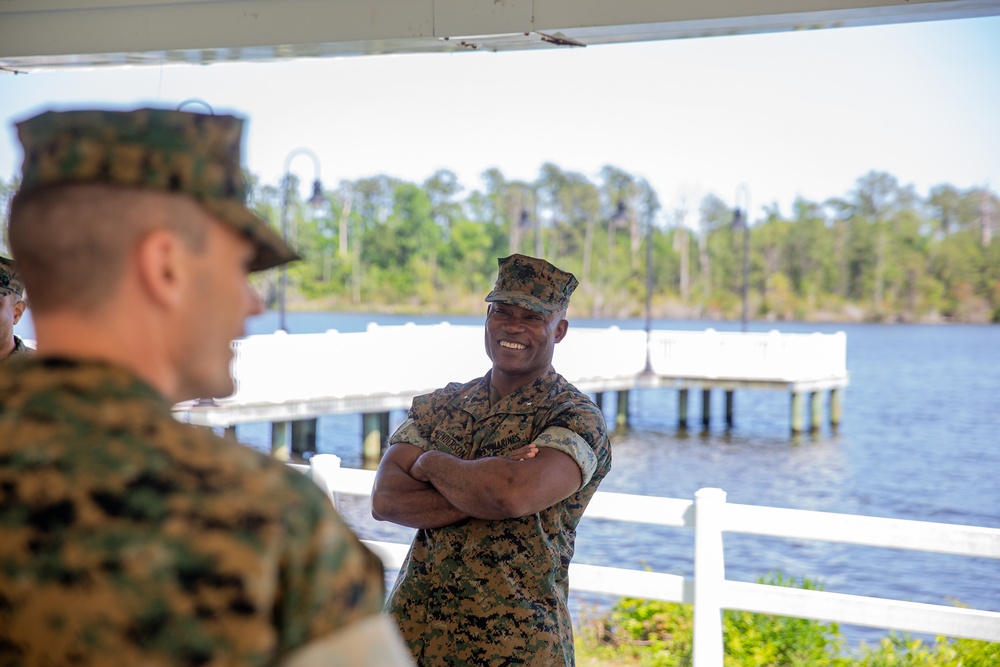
(495,592)
(9,278)
(154,149)
(127,538)
(532,283)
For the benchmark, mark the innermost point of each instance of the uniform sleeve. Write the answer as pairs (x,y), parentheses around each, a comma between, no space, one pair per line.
(421,417)
(409,433)
(577,429)
(568,442)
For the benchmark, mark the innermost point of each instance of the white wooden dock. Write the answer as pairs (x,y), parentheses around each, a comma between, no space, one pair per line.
(288,378)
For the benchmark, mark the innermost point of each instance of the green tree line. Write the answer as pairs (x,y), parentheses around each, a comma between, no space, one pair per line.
(880,252)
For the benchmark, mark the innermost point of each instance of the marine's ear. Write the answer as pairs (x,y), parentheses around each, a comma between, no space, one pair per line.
(19,308)
(561,328)
(161,264)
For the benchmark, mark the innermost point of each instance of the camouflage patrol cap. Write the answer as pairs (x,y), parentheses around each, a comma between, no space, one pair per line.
(9,279)
(532,283)
(155,149)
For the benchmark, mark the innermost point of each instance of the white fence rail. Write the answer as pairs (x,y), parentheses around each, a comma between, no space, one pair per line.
(710,592)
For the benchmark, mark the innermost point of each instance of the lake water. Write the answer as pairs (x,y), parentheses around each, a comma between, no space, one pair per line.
(919,439)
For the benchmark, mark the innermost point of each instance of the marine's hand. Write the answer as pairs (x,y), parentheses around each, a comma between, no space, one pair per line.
(416,472)
(521,453)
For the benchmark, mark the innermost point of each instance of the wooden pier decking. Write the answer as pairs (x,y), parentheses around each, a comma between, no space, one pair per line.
(289,380)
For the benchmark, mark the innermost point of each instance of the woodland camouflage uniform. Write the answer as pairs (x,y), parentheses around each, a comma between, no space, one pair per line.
(126,537)
(495,593)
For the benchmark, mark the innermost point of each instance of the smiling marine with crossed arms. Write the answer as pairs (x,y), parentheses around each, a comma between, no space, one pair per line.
(495,474)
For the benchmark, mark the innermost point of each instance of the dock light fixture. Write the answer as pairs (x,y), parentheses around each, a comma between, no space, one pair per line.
(195,100)
(741,221)
(316,201)
(619,219)
(652,204)
(648,369)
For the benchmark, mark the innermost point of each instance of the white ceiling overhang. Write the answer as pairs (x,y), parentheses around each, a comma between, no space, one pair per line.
(45,34)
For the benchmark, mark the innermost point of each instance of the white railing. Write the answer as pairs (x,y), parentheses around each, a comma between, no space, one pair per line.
(710,592)
(411,359)
(753,356)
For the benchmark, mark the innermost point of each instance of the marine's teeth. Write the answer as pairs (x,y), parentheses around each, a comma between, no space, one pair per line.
(513,346)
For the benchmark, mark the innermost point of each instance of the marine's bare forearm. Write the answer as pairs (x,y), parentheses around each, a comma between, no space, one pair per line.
(484,488)
(401,499)
(420,506)
(534,479)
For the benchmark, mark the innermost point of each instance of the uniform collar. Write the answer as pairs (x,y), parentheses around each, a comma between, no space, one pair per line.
(526,400)
(85,376)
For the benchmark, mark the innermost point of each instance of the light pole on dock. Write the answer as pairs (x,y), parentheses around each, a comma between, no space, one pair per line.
(651,205)
(316,200)
(741,221)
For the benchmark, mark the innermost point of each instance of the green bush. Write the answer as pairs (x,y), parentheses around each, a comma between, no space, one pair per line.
(651,633)
(901,650)
(760,640)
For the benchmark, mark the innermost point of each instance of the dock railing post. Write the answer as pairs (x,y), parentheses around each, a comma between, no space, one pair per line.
(815,411)
(682,409)
(835,407)
(709,577)
(373,437)
(303,438)
(621,418)
(281,433)
(706,408)
(798,412)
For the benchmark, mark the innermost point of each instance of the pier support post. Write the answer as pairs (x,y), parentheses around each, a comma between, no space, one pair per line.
(371,427)
(303,438)
(280,436)
(682,408)
(816,410)
(621,420)
(729,408)
(835,407)
(706,407)
(599,400)
(798,413)
(230,433)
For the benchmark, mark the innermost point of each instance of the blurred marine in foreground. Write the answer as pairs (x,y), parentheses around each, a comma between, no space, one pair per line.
(127,538)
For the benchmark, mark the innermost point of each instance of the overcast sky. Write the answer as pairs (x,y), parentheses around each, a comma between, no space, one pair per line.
(788,114)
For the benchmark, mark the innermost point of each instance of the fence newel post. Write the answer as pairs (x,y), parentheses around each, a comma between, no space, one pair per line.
(709,577)
(323,469)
